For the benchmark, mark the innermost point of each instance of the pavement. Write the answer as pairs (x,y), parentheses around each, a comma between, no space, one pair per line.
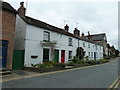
(97,76)
(17,74)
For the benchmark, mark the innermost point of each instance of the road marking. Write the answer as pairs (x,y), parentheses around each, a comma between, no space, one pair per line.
(52,72)
(114,84)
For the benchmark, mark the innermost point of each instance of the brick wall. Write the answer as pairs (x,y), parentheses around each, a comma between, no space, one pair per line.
(8,33)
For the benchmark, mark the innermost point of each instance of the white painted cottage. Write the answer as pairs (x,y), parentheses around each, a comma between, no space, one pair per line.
(43,42)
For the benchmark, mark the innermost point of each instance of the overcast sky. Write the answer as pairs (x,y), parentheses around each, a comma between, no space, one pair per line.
(96,16)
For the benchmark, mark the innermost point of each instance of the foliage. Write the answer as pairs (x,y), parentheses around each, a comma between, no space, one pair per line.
(62,64)
(107,57)
(103,60)
(70,64)
(49,64)
(74,59)
(87,62)
(117,53)
(42,65)
(56,64)
(86,58)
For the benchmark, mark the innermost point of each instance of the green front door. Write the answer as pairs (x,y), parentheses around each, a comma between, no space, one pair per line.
(56,56)
(18,60)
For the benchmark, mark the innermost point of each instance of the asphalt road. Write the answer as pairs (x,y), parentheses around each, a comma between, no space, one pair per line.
(93,77)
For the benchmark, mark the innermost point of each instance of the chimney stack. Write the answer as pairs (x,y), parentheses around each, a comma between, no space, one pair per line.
(76,32)
(89,36)
(22,9)
(66,28)
(82,35)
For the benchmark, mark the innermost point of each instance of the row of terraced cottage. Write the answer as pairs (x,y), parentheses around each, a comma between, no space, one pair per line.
(35,41)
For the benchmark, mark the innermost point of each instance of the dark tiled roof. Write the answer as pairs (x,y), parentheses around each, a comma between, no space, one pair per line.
(44,25)
(96,37)
(7,6)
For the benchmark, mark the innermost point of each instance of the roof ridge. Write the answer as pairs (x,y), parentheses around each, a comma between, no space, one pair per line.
(7,6)
(42,24)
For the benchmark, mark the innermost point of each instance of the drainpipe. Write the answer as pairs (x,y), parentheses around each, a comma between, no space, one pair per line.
(78,46)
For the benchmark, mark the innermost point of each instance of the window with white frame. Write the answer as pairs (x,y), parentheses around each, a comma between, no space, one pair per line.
(70,54)
(96,47)
(83,44)
(46,36)
(88,45)
(70,42)
(91,54)
(97,54)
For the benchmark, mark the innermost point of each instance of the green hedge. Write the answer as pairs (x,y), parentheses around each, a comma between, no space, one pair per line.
(49,64)
(88,62)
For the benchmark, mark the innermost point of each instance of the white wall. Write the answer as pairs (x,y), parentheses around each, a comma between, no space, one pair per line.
(29,37)
(20,33)
(34,36)
(92,49)
(32,45)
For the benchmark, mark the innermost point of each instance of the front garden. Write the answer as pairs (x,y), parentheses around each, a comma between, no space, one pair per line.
(54,66)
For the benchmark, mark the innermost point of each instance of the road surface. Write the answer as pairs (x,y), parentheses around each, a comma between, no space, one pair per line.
(101,76)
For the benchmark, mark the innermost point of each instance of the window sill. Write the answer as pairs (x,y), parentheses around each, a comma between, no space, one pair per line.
(70,45)
(46,41)
(70,60)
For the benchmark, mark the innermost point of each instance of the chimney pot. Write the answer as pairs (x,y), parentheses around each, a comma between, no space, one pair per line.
(22,9)
(82,35)
(22,4)
(66,27)
(76,32)
(89,36)
(88,33)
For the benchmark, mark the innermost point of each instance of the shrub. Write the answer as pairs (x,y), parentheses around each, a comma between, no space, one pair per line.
(40,65)
(62,64)
(79,62)
(70,64)
(104,60)
(56,64)
(91,62)
(74,59)
(98,62)
(108,57)
(86,58)
(44,65)
(48,62)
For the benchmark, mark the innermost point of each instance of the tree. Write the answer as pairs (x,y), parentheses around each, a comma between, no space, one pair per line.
(117,53)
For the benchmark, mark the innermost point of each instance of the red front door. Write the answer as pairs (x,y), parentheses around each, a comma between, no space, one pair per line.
(62,56)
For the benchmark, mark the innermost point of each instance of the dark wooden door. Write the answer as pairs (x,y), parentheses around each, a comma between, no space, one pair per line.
(95,55)
(45,55)
(4,53)
(56,56)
